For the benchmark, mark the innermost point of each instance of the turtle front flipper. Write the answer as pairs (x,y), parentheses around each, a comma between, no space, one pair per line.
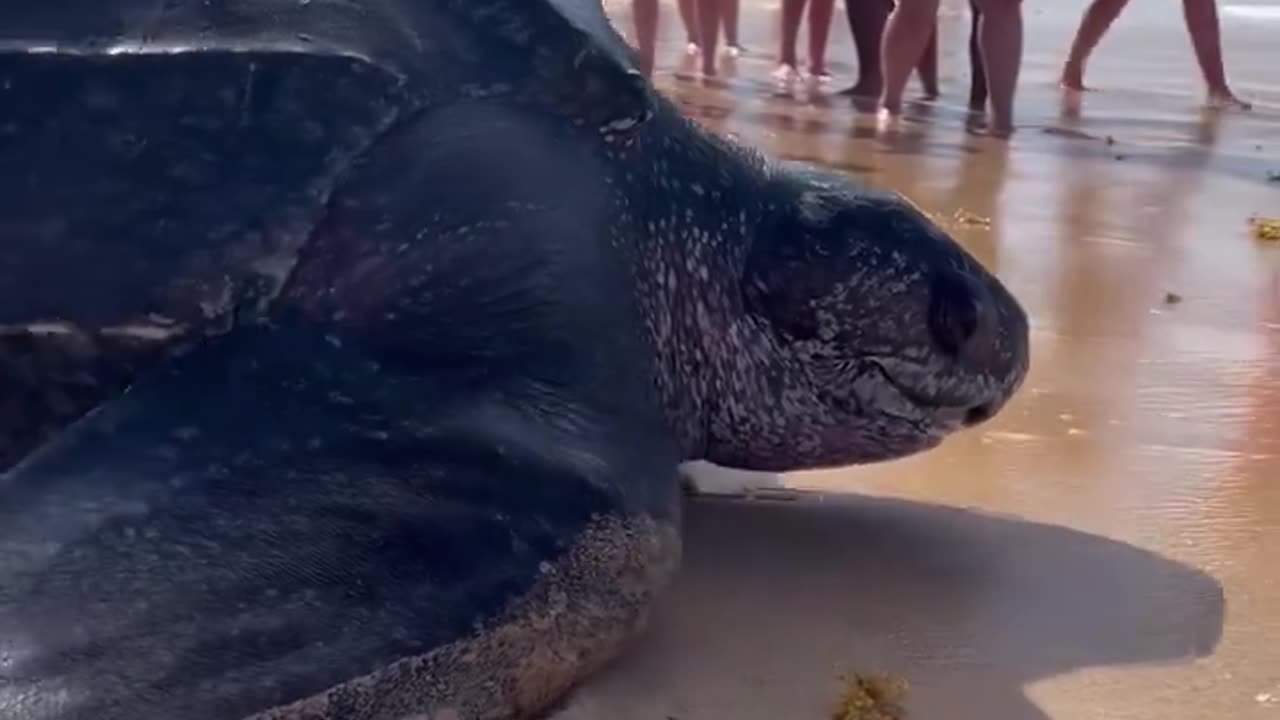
(273,526)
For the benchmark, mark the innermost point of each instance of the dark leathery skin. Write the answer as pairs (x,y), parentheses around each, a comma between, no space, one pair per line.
(419,459)
(145,189)
(274,516)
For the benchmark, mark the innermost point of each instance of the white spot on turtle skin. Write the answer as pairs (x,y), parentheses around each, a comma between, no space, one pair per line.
(622,124)
(42,328)
(186,433)
(144,332)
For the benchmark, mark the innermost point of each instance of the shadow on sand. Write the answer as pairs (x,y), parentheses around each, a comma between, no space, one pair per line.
(777,599)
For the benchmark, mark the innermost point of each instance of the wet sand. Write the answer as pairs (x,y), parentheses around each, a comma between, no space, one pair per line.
(1107,547)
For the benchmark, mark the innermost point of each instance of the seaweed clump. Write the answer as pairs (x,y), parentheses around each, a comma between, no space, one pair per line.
(871,697)
(1265,229)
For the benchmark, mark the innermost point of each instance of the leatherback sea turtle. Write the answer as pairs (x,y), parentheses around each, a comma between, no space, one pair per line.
(419,304)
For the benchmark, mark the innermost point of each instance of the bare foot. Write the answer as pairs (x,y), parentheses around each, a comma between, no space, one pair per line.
(1072,78)
(863,89)
(931,92)
(1071,106)
(1001,128)
(888,120)
(692,48)
(785,74)
(865,104)
(709,69)
(890,109)
(1227,100)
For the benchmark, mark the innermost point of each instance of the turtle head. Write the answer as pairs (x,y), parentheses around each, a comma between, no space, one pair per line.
(867,332)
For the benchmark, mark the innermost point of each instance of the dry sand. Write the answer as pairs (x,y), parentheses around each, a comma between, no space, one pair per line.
(1108,547)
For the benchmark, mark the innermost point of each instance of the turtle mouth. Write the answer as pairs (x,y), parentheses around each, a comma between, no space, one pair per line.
(951,404)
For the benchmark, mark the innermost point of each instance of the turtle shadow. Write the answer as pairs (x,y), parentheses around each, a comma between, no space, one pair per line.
(777,599)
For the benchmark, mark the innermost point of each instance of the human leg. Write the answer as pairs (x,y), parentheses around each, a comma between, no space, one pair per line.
(645,15)
(866,24)
(928,65)
(1093,25)
(730,9)
(820,13)
(977,73)
(792,14)
(1000,36)
(905,36)
(709,32)
(1206,38)
(689,16)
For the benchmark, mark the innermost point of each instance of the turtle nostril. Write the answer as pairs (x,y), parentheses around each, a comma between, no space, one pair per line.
(953,313)
(978,414)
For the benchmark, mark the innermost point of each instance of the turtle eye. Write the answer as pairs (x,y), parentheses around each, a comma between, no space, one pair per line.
(953,313)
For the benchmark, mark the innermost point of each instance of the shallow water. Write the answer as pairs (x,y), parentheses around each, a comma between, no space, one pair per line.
(1105,548)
